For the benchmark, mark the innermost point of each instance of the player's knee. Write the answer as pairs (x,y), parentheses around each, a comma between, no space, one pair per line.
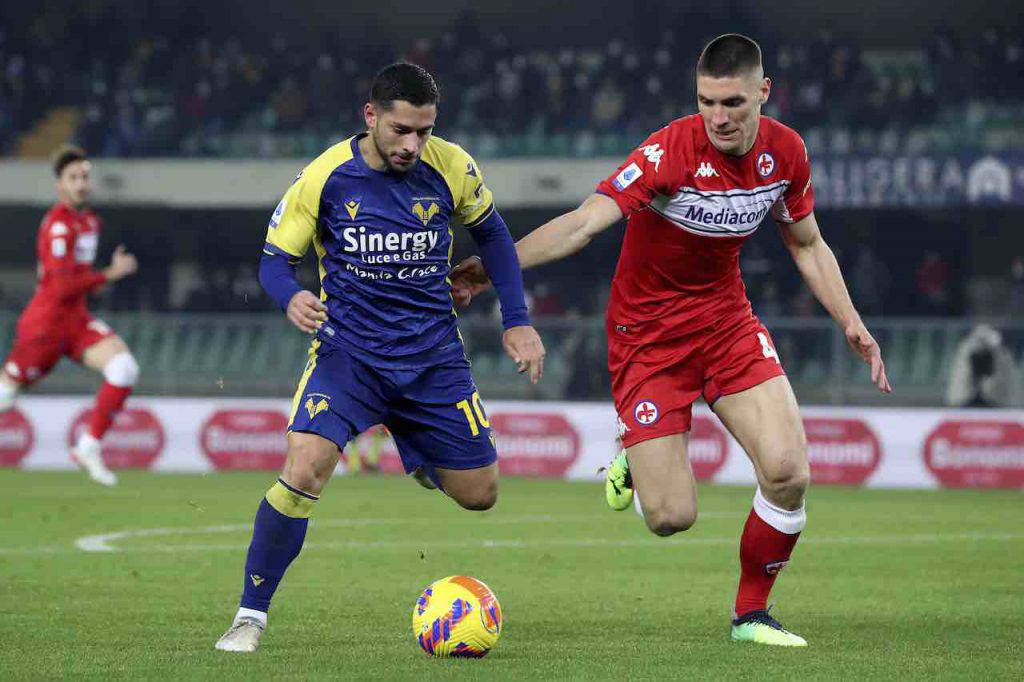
(307,468)
(121,370)
(666,521)
(787,479)
(480,499)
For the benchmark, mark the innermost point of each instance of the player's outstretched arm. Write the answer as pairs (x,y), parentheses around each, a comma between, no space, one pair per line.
(555,239)
(569,232)
(820,270)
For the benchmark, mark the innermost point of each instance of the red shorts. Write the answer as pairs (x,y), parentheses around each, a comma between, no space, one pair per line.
(39,344)
(654,385)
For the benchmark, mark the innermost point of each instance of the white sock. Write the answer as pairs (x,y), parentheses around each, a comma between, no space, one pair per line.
(785,521)
(8,392)
(261,616)
(88,443)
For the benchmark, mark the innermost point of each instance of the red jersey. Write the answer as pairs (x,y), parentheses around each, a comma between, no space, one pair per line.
(66,249)
(690,208)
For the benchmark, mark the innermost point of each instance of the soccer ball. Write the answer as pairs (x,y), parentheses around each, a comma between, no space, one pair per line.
(457,616)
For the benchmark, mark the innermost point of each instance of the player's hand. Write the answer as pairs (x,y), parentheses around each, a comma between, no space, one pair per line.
(121,265)
(524,346)
(864,345)
(306,311)
(468,279)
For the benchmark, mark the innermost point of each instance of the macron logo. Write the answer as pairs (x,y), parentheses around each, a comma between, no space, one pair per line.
(706,171)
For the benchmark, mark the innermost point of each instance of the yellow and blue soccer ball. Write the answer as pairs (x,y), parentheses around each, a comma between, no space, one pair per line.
(457,616)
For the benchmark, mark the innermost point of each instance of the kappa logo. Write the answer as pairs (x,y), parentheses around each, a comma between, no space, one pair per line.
(316,403)
(256,580)
(621,427)
(471,170)
(706,170)
(653,152)
(765,164)
(352,206)
(425,214)
(645,412)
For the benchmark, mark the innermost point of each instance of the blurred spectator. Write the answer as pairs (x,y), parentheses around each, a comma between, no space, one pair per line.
(160,72)
(545,301)
(869,282)
(932,279)
(984,373)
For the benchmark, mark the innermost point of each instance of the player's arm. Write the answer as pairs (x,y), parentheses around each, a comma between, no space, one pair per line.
(289,235)
(554,240)
(630,188)
(59,267)
(498,256)
(474,207)
(819,268)
(569,232)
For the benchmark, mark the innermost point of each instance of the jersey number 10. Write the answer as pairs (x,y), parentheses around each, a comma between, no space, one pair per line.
(478,409)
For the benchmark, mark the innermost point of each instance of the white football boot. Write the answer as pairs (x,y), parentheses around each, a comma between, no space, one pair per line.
(86,454)
(243,636)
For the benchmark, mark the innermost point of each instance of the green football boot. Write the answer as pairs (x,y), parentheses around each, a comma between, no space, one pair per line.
(618,483)
(761,628)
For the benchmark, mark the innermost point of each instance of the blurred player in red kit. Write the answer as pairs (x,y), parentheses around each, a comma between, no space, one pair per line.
(679,324)
(56,322)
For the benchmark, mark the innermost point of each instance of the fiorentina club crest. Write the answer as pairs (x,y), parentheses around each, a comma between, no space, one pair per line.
(765,164)
(645,412)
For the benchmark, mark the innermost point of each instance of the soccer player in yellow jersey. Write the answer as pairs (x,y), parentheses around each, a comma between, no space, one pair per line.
(378,209)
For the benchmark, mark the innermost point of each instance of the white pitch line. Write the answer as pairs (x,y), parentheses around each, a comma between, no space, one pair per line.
(105,541)
(680,541)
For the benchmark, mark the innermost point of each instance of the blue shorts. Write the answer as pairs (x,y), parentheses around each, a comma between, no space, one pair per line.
(434,413)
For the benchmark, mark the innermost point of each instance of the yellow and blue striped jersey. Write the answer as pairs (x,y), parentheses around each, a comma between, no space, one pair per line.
(383,241)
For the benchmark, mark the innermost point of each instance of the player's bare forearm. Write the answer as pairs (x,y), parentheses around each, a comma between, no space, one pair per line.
(819,268)
(568,233)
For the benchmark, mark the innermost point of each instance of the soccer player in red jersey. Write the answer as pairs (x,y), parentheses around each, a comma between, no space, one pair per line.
(56,322)
(679,324)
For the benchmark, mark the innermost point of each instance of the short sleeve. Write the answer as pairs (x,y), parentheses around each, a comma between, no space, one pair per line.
(648,172)
(293,224)
(473,200)
(57,243)
(797,201)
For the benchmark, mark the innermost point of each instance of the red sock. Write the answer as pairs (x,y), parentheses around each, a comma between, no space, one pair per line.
(764,551)
(109,401)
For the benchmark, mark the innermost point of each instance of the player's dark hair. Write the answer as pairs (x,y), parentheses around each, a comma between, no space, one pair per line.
(729,55)
(66,154)
(403,81)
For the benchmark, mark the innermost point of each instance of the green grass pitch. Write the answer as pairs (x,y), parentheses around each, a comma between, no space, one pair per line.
(884,584)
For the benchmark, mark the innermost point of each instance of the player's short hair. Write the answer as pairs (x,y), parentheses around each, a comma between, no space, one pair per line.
(729,55)
(66,154)
(403,81)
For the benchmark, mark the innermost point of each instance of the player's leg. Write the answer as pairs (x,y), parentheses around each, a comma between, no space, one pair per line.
(664,483)
(278,533)
(473,489)
(757,406)
(31,358)
(442,433)
(654,387)
(330,406)
(99,349)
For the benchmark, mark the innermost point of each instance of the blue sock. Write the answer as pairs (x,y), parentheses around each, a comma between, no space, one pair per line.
(277,535)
